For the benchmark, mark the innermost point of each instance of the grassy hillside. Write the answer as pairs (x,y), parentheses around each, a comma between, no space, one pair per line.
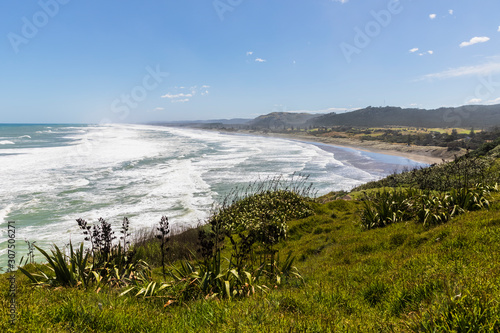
(477,116)
(280,120)
(405,276)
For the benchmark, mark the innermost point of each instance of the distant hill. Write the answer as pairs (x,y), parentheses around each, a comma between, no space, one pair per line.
(477,116)
(281,119)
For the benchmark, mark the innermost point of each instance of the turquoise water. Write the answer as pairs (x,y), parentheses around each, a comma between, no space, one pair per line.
(53,174)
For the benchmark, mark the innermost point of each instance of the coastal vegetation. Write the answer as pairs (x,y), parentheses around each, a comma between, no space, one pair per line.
(416,251)
(454,139)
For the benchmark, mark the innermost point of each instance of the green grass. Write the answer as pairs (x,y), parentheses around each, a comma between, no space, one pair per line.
(403,277)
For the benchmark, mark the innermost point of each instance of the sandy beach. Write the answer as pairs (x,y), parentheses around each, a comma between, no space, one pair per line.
(422,154)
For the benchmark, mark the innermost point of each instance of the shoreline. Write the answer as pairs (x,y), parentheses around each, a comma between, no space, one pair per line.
(421,154)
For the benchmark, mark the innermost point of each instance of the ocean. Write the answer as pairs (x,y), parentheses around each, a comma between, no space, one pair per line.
(53,174)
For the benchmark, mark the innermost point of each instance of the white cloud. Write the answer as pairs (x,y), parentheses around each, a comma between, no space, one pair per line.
(260,60)
(450,11)
(159,109)
(175,96)
(484,69)
(493,101)
(342,1)
(474,101)
(182,97)
(424,53)
(432,16)
(249,53)
(498,28)
(415,49)
(475,40)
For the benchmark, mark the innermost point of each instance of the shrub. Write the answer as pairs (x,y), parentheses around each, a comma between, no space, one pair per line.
(103,264)
(385,207)
(463,172)
(255,218)
(68,272)
(429,208)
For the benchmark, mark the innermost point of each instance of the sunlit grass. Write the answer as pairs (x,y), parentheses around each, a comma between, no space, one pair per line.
(406,276)
(402,277)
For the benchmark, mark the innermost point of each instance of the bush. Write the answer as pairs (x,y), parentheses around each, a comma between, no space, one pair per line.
(430,208)
(103,264)
(466,171)
(385,207)
(255,218)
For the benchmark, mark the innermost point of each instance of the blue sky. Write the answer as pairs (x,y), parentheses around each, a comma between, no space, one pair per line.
(130,61)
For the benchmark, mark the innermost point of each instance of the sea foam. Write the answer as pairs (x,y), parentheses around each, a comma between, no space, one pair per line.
(145,172)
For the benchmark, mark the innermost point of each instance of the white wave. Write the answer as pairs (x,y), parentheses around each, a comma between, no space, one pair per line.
(25,137)
(4,213)
(144,172)
(80,183)
(6,142)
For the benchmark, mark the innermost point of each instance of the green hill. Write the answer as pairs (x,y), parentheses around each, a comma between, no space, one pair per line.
(477,116)
(279,120)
